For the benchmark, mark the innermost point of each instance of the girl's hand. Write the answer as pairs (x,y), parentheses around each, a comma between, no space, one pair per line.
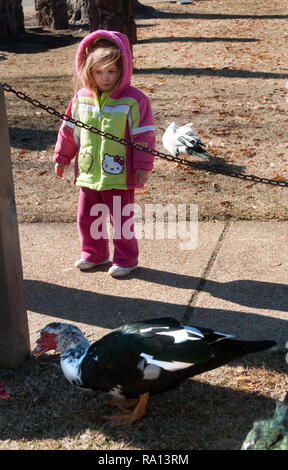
(141,176)
(59,170)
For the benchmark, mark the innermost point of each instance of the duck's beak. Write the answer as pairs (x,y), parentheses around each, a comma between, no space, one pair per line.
(45,343)
(39,350)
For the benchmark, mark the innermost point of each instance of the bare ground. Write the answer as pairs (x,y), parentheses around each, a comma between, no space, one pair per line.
(221,65)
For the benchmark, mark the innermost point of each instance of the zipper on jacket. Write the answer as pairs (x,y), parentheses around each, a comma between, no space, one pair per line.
(101,101)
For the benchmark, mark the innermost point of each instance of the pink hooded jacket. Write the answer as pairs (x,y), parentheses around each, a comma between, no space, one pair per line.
(125,112)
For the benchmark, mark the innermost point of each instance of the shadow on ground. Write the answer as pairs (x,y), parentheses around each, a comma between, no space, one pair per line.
(150,12)
(36,42)
(209,72)
(108,311)
(195,39)
(196,415)
(32,139)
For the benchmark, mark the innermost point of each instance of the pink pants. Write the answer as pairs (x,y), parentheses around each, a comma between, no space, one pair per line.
(94,237)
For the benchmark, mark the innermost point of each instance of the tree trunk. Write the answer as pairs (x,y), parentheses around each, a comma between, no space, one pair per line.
(113,15)
(11,18)
(78,11)
(52,13)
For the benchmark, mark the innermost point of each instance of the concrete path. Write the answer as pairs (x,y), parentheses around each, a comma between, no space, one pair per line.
(235,280)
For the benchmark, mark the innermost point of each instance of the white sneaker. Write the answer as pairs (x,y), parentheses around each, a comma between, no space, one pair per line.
(84,264)
(120,271)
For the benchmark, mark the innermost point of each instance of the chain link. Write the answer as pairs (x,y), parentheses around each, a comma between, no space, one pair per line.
(182,161)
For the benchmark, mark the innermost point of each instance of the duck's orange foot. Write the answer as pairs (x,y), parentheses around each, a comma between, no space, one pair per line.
(123,403)
(128,417)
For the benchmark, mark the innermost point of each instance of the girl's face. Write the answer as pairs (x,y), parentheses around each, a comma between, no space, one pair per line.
(106,78)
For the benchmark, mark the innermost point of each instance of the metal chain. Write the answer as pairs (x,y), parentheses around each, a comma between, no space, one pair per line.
(182,161)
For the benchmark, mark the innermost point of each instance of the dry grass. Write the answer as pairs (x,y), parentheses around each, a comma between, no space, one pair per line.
(212,411)
(223,66)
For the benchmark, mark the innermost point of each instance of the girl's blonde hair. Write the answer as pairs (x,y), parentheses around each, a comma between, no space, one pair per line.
(99,54)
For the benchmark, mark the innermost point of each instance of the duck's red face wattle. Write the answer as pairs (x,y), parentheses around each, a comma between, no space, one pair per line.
(46,342)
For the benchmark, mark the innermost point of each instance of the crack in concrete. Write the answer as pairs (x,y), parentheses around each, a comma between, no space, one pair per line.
(202,281)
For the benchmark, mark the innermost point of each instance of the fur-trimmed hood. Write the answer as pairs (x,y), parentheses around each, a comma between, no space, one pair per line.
(117,38)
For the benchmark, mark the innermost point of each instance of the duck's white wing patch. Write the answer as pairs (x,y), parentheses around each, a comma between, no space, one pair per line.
(194,331)
(222,336)
(184,334)
(151,328)
(167,365)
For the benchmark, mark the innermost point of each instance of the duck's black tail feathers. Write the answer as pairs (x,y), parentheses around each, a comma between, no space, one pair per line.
(231,349)
(226,351)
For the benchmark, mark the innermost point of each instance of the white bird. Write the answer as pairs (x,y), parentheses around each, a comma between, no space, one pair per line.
(183,140)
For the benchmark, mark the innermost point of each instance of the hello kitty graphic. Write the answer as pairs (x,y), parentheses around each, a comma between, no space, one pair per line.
(113,165)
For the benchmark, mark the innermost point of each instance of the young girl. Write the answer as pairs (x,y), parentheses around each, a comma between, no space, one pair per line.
(107,172)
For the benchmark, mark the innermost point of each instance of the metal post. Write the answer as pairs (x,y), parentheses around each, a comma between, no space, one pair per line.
(14,333)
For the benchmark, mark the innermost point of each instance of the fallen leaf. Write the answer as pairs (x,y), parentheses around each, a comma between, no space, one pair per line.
(279,178)
(22,154)
(226,203)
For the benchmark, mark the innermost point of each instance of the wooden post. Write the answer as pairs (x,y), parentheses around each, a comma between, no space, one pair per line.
(14,333)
